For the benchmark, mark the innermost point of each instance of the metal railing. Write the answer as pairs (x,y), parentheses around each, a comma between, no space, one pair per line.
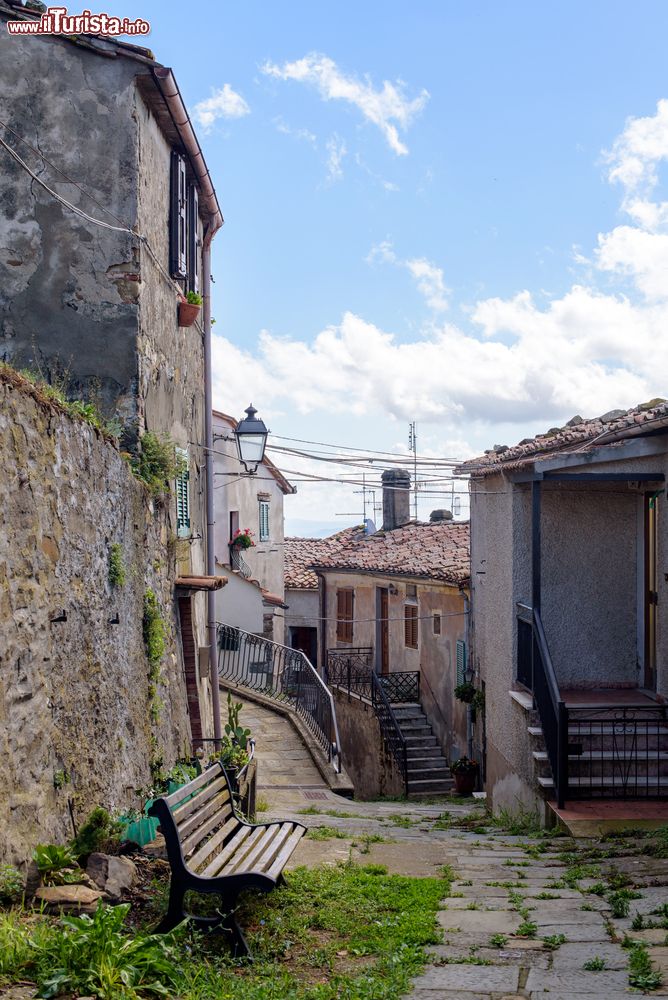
(284,675)
(618,751)
(238,562)
(401,686)
(355,677)
(594,751)
(355,657)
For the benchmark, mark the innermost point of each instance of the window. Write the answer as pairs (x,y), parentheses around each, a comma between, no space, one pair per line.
(182,493)
(193,240)
(345,600)
(411,625)
(178,223)
(264,521)
(437,624)
(461,661)
(411,592)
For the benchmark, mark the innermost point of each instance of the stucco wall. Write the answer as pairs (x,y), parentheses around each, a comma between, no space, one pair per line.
(64,306)
(74,694)
(303,610)
(239,603)
(370,766)
(435,656)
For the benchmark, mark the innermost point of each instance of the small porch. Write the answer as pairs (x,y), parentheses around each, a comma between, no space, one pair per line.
(586,645)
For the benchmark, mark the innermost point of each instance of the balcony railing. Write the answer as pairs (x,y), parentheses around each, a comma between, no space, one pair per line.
(238,563)
(284,675)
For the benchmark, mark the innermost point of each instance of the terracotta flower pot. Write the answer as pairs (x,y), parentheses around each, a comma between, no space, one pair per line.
(465,781)
(188,313)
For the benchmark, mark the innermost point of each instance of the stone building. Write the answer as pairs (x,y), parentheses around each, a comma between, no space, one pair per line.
(398,600)
(107,213)
(254,597)
(569,547)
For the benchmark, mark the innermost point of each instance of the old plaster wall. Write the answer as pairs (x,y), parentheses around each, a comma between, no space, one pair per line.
(370,766)
(66,305)
(303,610)
(74,700)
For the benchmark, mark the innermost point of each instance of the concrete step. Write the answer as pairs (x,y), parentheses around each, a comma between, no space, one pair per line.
(441,771)
(420,741)
(423,753)
(605,755)
(643,784)
(416,728)
(430,786)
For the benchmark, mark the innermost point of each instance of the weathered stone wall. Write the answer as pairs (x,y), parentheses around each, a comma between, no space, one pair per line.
(74,694)
(370,766)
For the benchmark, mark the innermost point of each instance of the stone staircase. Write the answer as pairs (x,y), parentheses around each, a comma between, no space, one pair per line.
(428,771)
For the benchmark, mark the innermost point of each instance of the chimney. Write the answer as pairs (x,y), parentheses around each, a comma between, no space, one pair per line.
(440,515)
(396,498)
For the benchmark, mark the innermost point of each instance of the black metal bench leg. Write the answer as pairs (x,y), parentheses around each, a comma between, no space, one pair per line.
(175,913)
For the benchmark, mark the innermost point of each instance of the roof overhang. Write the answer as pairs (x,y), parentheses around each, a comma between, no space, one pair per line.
(200,582)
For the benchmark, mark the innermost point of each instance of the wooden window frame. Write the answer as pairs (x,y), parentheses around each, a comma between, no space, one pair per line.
(263,521)
(178,218)
(411,638)
(182,496)
(345,614)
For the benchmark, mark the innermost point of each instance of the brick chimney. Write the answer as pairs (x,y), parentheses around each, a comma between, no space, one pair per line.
(396,498)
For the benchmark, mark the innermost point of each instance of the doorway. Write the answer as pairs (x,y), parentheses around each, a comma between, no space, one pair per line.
(382,631)
(305,639)
(651,588)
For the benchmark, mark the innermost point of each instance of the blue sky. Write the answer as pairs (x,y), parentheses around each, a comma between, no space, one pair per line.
(490,267)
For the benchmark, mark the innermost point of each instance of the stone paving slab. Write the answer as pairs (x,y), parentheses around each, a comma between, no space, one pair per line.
(576,932)
(561,995)
(509,955)
(480,921)
(543,915)
(483,978)
(573,955)
(579,981)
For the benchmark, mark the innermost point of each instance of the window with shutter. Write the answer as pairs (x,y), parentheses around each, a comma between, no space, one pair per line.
(461,661)
(193,240)
(178,222)
(411,625)
(264,521)
(437,624)
(182,493)
(345,600)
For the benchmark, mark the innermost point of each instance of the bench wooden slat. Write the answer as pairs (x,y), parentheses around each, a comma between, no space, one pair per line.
(198,837)
(247,860)
(238,857)
(219,804)
(219,837)
(226,853)
(197,801)
(268,855)
(285,852)
(192,786)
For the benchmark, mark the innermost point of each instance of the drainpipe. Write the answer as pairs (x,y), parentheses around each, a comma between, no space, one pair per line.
(469,710)
(208,445)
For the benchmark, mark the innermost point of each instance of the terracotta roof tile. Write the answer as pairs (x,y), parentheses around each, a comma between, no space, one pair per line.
(577,436)
(437,551)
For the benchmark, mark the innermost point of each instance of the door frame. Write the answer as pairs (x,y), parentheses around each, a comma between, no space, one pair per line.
(382,663)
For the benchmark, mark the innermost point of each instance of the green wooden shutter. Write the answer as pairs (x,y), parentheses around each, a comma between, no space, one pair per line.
(264,521)
(182,493)
(461,661)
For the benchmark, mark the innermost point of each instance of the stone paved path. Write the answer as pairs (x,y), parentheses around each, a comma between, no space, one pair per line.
(509,894)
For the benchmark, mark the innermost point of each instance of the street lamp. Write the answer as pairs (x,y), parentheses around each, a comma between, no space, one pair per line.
(251,435)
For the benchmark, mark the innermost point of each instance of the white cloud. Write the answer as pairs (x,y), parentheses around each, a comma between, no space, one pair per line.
(387,108)
(298,133)
(336,150)
(522,361)
(223,103)
(427,276)
(430,283)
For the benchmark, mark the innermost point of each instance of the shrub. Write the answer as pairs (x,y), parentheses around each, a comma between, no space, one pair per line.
(52,860)
(11,884)
(153,629)
(97,832)
(157,464)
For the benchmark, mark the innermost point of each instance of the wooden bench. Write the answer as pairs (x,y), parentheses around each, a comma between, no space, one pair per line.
(211,850)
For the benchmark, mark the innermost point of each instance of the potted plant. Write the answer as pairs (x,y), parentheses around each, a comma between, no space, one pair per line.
(465,773)
(465,692)
(189,308)
(242,539)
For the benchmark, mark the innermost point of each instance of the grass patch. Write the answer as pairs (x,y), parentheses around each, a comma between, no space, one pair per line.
(641,974)
(348,931)
(326,833)
(398,819)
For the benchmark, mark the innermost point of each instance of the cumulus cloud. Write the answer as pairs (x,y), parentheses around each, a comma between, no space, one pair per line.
(386,107)
(427,276)
(223,103)
(527,360)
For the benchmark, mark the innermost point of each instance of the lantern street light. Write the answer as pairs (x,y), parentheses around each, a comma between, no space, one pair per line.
(251,435)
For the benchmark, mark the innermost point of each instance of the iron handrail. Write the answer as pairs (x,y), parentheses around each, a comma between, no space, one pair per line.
(389,727)
(276,671)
